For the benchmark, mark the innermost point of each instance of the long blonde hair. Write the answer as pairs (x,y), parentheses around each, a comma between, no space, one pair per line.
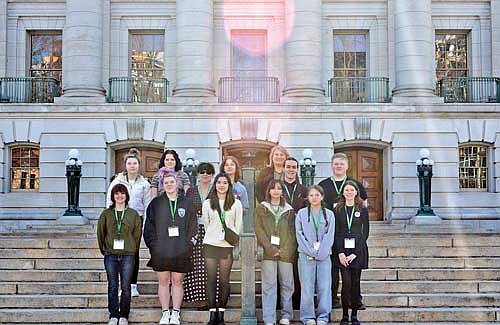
(273,150)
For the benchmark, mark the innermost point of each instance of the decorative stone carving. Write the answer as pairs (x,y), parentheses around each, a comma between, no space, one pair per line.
(362,128)
(135,128)
(248,128)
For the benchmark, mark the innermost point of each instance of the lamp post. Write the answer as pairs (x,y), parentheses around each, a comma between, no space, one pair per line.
(190,164)
(307,168)
(424,164)
(73,214)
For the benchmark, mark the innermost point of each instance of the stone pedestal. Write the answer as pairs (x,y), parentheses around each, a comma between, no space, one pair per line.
(303,49)
(82,50)
(414,48)
(194,21)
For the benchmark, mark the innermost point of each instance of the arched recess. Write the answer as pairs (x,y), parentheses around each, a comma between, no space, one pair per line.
(250,153)
(150,153)
(369,162)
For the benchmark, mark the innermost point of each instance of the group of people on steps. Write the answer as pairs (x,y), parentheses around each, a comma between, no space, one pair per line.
(308,236)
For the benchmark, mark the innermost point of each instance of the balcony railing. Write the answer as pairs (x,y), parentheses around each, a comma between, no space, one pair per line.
(28,89)
(249,90)
(359,89)
(137,90)
(469,90)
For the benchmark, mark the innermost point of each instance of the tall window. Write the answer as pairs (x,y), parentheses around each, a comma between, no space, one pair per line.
(473,167)
(349,55)
(451,55)
(46,54)
(25,171)
(248,53)
(147,54)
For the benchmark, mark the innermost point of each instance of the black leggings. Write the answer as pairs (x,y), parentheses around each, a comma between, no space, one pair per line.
(224,266)
(350,288)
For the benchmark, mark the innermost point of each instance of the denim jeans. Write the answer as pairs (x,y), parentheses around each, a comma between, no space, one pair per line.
(271,272)
(119,269)
(317,275)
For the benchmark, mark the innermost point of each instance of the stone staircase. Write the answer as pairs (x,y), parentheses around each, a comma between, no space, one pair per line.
(417,275)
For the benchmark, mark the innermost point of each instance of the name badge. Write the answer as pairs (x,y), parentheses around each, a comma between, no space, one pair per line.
(349,243)
(119,244)
(222,235)
(275,240)
(316,246)
(173,231)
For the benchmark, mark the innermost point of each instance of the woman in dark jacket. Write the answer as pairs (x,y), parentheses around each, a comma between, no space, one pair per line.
(275,230)
(170,234)
(351,233)
(274,170)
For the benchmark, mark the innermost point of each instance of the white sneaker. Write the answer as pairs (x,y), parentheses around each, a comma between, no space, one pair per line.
(175,317)
(311,322)
(123,321)
(284,321)
(113,321)
(321,322)
(165,317)
(133,290)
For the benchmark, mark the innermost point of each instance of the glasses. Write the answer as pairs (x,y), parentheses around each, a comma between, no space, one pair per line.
(204,172)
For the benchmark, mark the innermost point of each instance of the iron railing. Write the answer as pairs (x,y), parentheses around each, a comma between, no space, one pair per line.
(137,90)
(469,90)
(249,90)
(28,89)
(359,89)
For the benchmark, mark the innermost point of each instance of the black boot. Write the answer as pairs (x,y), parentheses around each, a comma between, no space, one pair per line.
(213,318)
(220,318)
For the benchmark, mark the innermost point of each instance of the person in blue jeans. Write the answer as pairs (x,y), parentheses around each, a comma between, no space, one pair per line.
(119,232)
(315,231)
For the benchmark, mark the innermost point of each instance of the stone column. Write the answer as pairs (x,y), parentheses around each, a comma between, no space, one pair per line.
(194,21)
(3,38)
(495,37)
(414,52)
(82,51)
(303,49)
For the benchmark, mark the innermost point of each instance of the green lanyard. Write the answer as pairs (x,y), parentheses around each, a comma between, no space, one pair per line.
(316,222)
(173,209)
(349,219)
(291,197)
(338,190)
(135,180)
(200,193)
(277,217)
(222,215)
(119,222)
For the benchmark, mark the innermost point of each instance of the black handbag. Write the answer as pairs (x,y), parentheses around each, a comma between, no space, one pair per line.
(229,235)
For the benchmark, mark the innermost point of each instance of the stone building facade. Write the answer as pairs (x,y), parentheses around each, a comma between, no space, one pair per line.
(329,75)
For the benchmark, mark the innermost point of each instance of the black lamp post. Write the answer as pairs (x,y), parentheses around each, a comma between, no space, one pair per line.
(307,168)
(424,173)
(73,174)
(190,165)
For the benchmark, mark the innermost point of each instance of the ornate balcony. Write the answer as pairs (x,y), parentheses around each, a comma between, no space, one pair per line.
(137,90)
(249,90)
(359,89)
(469,90)
(28,89)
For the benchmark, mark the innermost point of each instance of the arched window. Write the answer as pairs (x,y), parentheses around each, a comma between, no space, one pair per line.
(24,166)
(473,162)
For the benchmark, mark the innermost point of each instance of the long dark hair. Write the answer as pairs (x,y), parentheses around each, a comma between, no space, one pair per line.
(119,188)
(323,209)
(178,163)
(214,199)
(270,186)
(358,203)
(236,164)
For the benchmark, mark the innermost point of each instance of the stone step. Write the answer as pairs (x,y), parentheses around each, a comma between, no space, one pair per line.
(150,315)
(151,300)
(149,275)
(478,286)
(375,263)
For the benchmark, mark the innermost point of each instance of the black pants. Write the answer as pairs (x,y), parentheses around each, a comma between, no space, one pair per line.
(351,291)
(335,277)
(223,264)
